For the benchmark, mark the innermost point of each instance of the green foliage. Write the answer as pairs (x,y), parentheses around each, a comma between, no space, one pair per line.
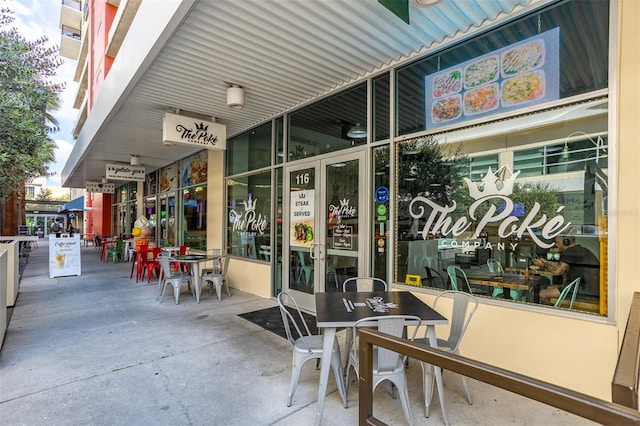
(427,168)
(26,93)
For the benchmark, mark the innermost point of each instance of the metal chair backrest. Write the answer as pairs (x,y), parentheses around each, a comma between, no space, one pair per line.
(394,325)
(459,281)
(289,320)
(434,278)
(364,284)
(460,315)
(495,266)
(572,286)
(165,264)
(224,261)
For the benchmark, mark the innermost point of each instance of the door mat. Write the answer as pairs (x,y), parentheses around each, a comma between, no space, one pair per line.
(270,319)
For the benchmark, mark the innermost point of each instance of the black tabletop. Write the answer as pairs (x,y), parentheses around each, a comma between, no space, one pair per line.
(338,309)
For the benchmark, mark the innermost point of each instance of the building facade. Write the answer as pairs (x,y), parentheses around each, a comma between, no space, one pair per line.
(510,138)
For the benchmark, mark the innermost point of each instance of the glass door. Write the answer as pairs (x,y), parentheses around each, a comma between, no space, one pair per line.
(167,229)
(325,225)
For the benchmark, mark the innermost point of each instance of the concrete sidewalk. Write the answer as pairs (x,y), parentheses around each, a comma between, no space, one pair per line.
(100,350)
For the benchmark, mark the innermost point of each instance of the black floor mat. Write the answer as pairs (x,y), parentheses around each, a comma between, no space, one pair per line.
(271,319)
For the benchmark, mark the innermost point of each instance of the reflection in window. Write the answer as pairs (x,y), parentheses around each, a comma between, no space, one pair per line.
(519,215)
(327,125)
(583,65)
(250,150)
(569,156)
(194,209)
(478,166)
(249,216)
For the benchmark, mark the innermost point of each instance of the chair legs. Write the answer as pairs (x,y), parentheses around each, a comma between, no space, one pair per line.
(299,359)
(217,282)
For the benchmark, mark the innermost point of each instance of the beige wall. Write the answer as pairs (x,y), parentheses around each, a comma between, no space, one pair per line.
(248,276)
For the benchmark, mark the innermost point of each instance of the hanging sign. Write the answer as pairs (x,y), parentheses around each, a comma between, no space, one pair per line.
(125,172)
(101,187)
(189,131)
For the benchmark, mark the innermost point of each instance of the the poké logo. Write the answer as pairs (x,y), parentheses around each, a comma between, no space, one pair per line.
(200,135)
(491,195)
(248,223)
(337,213)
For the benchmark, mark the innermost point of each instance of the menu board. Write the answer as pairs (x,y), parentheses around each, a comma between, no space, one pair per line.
(517,76)
(64,256)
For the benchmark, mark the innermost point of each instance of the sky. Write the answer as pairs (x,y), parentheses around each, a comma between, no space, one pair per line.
(34,19)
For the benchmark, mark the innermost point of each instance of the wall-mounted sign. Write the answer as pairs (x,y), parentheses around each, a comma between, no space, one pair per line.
(125,172)
(517,76)
(101,187)
(190,131)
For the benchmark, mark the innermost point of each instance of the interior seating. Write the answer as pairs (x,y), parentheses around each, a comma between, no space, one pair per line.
(434,279)
(571,287)
(498,292)
(459,281)
(387,365)
(464,306)
(305,345)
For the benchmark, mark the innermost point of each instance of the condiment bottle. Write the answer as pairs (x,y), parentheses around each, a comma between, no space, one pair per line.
(526,273)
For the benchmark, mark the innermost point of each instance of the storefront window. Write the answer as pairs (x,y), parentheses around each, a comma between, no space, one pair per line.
(381,98)
(329,125)
(250,150)
(574,154)
(479,165)
(150,214)
(194,209)
(249,216)
(550,225)
(380,246)
(546,56)
(151,184)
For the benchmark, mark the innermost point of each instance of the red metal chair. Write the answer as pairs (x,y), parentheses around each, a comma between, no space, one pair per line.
(151,265)
(138,259)
(182,250)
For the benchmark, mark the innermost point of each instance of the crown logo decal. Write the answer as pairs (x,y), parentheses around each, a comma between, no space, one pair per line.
(250,204)
(490,185)
(344,202)
(201,127)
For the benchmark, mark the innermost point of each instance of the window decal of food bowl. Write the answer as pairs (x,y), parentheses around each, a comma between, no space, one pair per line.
(448,83)
(481,72)
(523,88)
(446,109)
(482,99)
(524,58)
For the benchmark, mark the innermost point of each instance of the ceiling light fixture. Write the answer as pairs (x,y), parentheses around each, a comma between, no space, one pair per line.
(357,132)
(135,160)
(235,96)
(426,3)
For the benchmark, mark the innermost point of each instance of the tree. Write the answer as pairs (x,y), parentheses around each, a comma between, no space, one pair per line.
(44,195)
(26,95)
